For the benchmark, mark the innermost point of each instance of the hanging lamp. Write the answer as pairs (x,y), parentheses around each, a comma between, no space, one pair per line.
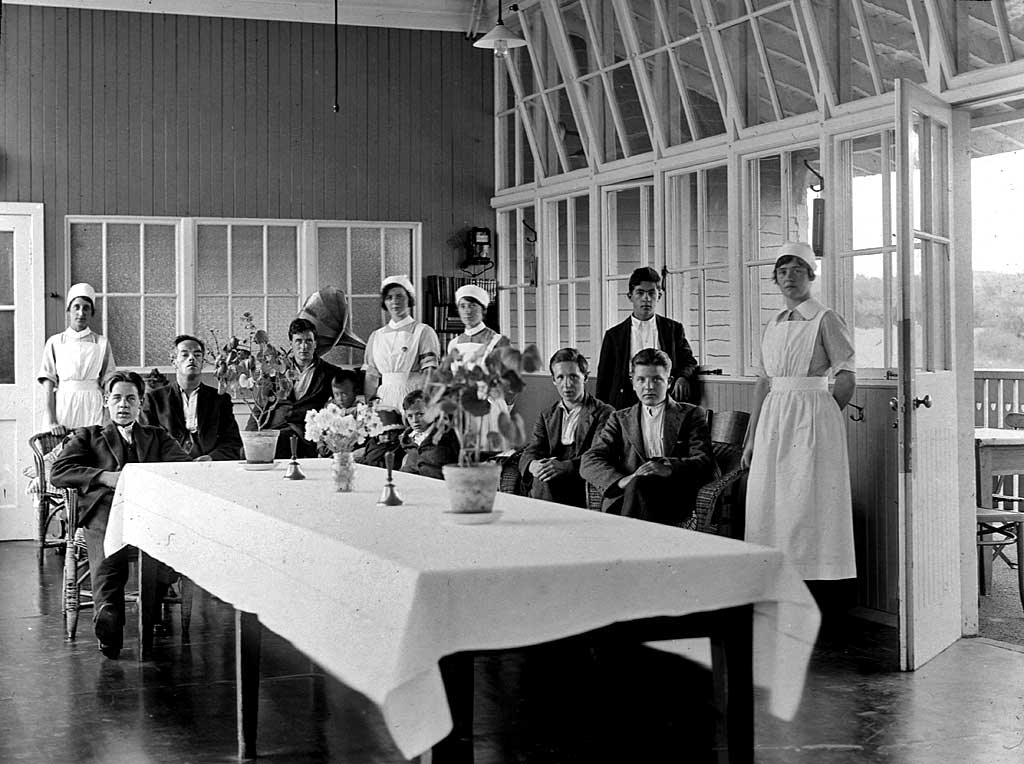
(500,38)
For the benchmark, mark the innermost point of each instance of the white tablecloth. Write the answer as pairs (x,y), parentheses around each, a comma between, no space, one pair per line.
(377,595)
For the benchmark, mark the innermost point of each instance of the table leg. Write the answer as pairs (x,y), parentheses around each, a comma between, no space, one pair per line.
(984,485)
(247,680)
(457,674)
(733,676)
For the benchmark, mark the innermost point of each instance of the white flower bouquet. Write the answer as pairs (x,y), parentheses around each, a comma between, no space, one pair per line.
(341,430)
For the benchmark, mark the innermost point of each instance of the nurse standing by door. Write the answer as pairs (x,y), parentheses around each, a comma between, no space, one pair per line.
(798,491)
(74,363)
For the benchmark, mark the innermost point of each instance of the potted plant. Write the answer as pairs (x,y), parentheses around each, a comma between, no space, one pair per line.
(459,394)
(262,375)
(338,431)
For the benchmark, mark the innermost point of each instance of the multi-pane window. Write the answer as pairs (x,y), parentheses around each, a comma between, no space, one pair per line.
(629,242)
(356,257)
(697,287)
(7,307)
(517,275)
(567,276)
(159,277)
(778,209)
(246,268)
(132,264)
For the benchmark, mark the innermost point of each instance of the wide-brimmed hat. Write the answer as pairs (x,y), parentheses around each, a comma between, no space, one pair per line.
(474,292)
(80,290)
(798,249)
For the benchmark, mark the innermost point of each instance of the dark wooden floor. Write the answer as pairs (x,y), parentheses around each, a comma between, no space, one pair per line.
(62,702)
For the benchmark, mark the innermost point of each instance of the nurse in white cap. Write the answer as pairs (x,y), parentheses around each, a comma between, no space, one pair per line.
(400,352)
(475,344)
(798,491)
(74,363)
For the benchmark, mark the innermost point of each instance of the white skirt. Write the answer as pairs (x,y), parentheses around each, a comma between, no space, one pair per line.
(798,491)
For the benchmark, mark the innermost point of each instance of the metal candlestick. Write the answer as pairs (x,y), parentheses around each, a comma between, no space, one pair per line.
(294,471)
(389,496)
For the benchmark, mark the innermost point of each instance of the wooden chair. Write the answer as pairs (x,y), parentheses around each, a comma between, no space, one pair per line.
(49,501)
(998,528)
(77,594)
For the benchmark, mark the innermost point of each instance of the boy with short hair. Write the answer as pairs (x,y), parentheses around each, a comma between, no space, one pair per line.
(377,448)
(425,451)
(343,389)
(651,458)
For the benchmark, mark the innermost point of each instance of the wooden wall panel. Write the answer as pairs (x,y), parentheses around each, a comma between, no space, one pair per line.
(872,447)
(114,113)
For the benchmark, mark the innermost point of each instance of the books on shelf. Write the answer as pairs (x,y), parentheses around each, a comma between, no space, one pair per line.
(440,307)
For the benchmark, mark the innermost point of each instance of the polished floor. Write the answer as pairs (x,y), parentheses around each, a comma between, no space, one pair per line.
(65,702)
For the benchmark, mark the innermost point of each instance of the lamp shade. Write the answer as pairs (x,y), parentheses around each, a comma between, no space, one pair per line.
(500,39)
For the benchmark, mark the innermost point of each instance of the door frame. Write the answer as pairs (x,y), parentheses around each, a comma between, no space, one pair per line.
(30,314)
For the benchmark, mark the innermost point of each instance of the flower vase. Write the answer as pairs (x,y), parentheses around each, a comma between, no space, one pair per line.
(343,471)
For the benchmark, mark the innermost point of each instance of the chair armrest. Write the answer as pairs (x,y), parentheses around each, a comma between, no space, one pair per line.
(707,508)
(510,480)
(1007,499)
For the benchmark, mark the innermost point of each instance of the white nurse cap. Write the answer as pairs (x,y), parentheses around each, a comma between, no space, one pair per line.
(80,290)
(402,281)
(473,291)
(798,249)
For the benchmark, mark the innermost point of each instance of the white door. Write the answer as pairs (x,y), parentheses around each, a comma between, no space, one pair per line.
(22,335)
(929,545)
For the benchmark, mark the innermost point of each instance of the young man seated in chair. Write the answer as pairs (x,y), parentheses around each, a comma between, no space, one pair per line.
(550,463)
(650,459)
(91,462)
(195,415)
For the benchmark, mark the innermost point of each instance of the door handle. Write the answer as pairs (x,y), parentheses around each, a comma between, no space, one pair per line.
(926,402)
(894,404)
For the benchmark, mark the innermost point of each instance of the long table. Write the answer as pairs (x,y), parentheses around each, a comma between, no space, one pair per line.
(379,595)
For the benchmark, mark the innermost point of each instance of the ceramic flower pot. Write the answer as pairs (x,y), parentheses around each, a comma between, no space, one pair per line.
(343,471)
(471,490)
(259,445)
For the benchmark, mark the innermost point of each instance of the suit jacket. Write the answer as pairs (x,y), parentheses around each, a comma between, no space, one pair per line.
(92,450)
(619,451)
(546,441)
(613,383)
(428,459)
(290,415)
(217,434)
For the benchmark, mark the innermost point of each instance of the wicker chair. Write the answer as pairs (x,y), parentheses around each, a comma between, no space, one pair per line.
(49,501)
(77,588)
(511,481)
(719,505)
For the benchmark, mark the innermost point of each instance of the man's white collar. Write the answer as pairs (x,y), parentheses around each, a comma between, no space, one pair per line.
(645,322)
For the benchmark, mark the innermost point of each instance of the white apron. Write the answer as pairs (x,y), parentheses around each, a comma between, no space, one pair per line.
(79,398)
(488,423)
(395,354)
(798,491)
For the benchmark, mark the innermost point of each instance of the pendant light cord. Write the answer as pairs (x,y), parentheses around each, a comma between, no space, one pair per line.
(336,106)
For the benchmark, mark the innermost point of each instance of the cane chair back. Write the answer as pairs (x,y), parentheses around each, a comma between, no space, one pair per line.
(51,517)
(719,505)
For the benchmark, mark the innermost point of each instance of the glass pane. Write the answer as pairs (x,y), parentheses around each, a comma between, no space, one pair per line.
(979,36)
(212,315)
(548,155)
(123,258)
(535,31)
(627,241)
(587,335)
(507,149)
(690,283)
(685,249)
(512,330)
(867,213)
(211,259)
(366,316)
(160,330)
(786,62)
(159,241)
(366,254)
(678,19)
(565,316)
(247,259)
(332,257)
(699,88)
(568,131)
(123,329)
(716,216)
(397,251)
(582,209)
(282,260)
(667,101)
(748,75)
(633,121)
(869,310)
(254,305)
(937,197)
(576,29)
(97,319)
(87,253)
(609,45)
(282,311)
(718,321)
(519,60)
(6,267)
(768,197)
(530,317)
(766,299)
(6,347)
(601,118)
(561,216)
(894,44)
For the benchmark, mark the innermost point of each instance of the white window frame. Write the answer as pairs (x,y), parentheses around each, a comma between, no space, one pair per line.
(186,255)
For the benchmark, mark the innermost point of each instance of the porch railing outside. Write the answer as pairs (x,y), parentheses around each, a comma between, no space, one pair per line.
(997,392)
